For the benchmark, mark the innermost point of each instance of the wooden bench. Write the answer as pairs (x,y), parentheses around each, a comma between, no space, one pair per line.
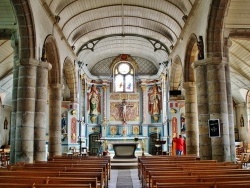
(48,180)
(215,179)
(226,184)
(87,169)
(145,176)
(62,186)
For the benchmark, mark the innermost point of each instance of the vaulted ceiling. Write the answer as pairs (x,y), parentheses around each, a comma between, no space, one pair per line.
(147,29)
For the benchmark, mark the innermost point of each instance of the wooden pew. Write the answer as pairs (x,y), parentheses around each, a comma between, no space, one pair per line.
(227,184)
(102,180)
(80,159)
(48,180)
(180,168)
(62,186)
(203,174)
(15,185)
(97,164)
(61,171)
(221,179)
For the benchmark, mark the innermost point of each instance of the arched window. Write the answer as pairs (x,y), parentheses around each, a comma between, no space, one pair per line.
(124,77)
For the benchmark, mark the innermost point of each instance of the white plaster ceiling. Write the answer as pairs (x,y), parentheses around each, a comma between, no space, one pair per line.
(125,26)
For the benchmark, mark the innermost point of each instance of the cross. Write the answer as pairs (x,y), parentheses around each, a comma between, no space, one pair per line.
(124,106)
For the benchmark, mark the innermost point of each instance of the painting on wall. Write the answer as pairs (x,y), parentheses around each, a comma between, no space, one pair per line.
(73,130)
(113,130)
(136,130)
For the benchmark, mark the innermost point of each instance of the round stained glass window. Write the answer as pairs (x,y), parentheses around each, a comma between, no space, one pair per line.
(124,68)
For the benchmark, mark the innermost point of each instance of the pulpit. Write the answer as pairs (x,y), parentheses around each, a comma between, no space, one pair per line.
(124,150)
(158,145)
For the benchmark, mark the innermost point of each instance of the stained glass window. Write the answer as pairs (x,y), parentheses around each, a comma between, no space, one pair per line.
(124,77)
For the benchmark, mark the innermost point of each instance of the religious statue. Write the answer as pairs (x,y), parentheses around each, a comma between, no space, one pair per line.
(94,103)
(64,124)
(155,103)
(5,124)
(200,46)
(241,121)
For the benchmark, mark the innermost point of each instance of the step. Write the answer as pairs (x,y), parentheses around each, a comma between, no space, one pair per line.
(125,163)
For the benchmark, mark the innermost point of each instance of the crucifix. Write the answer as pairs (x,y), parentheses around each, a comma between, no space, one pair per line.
(124,106)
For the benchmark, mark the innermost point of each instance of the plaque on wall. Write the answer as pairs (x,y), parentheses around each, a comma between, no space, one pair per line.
(214,127)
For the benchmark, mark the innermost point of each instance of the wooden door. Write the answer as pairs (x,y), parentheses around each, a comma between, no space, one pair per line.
(94,146)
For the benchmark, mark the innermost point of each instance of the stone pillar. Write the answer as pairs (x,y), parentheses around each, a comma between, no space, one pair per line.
(14,44)
(24,145)
(40,114)
(55,100)
(230,114)
(205,148)
(192,140)
(218,109)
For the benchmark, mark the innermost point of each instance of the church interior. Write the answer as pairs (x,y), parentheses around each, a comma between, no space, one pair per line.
(124,79)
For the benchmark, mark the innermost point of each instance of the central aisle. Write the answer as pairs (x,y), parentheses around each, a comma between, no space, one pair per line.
(124,178)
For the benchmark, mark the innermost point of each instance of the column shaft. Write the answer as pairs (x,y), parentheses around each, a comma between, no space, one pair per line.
(230,113)
(55,120)
(192,132)
(218,108)
(14,44)
(205,148)
(24,145)
(40,114)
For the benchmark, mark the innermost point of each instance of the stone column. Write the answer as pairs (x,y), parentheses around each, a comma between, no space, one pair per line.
(40,114)
(24,145)
(14,44)
(218,109)
(205,148)
(230,114)
(192,140)
(55,100)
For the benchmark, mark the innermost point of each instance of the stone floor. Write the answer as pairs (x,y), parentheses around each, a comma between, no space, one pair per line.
(124,178)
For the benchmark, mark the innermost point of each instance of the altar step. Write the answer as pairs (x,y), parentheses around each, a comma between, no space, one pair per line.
(125,163)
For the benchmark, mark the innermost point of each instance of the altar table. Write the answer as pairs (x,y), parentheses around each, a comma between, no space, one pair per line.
(124,150)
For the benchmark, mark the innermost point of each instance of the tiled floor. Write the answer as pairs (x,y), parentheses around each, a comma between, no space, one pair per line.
(119,178)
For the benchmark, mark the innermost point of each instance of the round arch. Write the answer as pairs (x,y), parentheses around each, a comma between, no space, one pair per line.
(176,74)
(69,76)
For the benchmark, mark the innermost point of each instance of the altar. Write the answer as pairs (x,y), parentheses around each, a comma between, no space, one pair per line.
(124,149)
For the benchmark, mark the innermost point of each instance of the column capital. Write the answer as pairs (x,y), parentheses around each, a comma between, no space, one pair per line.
(27,62)
(211,61)
(104,88)
(45,65)
(143,87)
